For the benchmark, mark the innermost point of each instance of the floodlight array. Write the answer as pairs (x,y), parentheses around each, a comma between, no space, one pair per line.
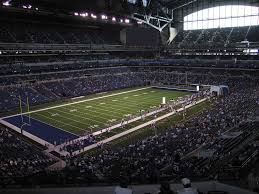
(102,17)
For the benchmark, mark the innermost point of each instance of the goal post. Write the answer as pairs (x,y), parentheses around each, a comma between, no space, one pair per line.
(24,112)
(163,100)
(21,112)
(28,111)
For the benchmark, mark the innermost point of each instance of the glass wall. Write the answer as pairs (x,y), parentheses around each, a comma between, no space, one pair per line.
(222,17)
(132,1)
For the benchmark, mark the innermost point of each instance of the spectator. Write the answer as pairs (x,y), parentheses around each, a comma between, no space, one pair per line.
(165,189)
(253,181)
(123,188)
(187,187)
(18,158)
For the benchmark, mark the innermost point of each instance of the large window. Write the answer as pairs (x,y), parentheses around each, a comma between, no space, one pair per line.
(222,17)
(132,1)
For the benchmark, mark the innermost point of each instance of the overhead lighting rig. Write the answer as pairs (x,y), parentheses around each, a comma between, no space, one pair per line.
(154,15)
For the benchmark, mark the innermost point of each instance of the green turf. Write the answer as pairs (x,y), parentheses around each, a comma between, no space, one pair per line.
(90,116)
(162,127)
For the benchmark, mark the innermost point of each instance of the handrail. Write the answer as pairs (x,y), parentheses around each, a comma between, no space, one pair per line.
(72,45)
(249,159)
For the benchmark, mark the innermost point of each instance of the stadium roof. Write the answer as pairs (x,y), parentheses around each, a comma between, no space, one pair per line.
(67,5)
(116,6)
(97,5)
(176,3)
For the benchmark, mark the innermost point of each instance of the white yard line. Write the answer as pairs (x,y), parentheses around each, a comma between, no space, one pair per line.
(126,123)
(75,115)
(86,100)
(134,129)
(86,118)
(114,127)
(113,107)
(95,133)
(89,112)
(56,127)
(81,117)
(125,132)
(102,123)
(59,122)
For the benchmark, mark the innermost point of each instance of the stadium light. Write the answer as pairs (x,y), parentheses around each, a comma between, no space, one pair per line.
(6,3)
(83,14)
(104,17)
(127,21)
(37,8)
(139,22)
(113,19)
(93,16)
(121,20)
(27,6)
(76,14)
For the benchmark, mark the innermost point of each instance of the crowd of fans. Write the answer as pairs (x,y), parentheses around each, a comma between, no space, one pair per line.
(149,159)
(218,151)
(19,158)
(42,92)
(173,154)
(215,38)
(145,159)
(58,85)
(45,33)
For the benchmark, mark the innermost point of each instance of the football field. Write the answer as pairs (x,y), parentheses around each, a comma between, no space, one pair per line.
(89,115)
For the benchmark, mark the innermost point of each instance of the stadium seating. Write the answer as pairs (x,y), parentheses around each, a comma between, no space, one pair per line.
(207,166)
(31,32)
(143,161)
(94,74)
(161,155)
(56,85)
(220,38)
(172,154)
(19,158)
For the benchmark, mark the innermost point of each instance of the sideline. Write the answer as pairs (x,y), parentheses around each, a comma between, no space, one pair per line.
(85,149)
(71,103)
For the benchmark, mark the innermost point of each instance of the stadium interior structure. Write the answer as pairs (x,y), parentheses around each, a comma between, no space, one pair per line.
(129,96)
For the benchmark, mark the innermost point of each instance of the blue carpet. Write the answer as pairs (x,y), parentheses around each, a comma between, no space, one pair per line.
(41,130)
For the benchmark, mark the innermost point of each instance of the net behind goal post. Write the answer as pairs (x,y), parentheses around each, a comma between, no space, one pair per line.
(25,112)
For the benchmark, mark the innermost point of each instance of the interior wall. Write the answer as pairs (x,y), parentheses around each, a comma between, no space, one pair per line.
(140,37)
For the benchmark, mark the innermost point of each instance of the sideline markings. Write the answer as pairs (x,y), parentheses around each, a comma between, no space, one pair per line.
(78,102)
(116,136)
